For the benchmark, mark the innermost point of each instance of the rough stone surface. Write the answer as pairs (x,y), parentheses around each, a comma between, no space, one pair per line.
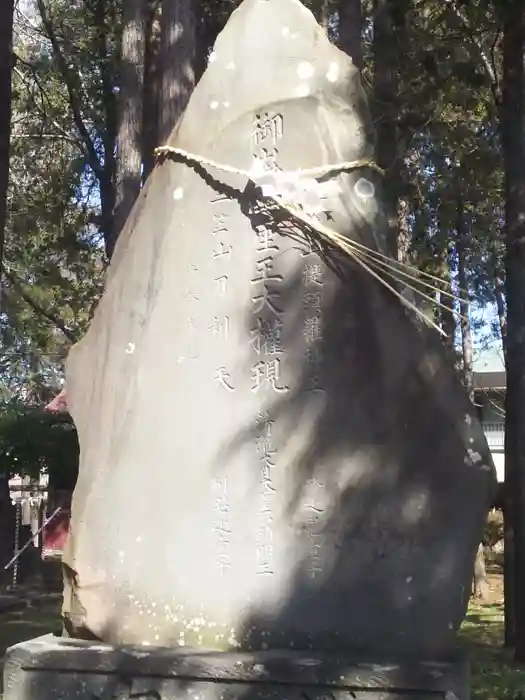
(274,454)
(52,669)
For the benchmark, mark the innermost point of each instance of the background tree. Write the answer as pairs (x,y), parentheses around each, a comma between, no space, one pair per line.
(513,140)
(178,44)
(130,136)
(349,28)
(6,56)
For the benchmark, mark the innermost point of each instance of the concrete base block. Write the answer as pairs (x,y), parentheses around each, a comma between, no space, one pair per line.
(54,668)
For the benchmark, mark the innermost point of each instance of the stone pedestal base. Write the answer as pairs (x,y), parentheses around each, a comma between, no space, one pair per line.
(52,668)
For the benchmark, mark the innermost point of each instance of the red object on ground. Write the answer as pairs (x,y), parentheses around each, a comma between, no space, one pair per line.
(54,535)
(58,404)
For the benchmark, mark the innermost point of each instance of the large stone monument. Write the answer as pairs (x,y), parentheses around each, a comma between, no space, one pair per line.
(277,457)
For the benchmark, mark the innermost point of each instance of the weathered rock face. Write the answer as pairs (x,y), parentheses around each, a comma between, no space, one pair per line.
(273,452)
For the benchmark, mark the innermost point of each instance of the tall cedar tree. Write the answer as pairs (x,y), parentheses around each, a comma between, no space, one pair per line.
(177,62)
(350,25)
(512,120)
(388,19)
(131,98)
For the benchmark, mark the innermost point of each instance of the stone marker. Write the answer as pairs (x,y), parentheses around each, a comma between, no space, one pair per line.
(274,453)
(270,456)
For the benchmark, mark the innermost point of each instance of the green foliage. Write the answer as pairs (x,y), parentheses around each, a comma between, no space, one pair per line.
(54,262)
(494,675)
(33,440)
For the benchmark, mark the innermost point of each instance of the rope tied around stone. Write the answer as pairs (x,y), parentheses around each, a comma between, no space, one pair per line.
(320,171)
(365,256)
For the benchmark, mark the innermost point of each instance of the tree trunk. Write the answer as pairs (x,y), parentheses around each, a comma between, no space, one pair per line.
(152,87)
(102,13)
(129,134)
(6,67)
(502,313)
(177,61)
(386,66)
(466,332)
(512,120)
(448,316)
(404,237)
(499,295)
(350,25)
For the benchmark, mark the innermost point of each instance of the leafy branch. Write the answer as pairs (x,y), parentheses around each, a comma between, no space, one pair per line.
(74,99)
(53,318)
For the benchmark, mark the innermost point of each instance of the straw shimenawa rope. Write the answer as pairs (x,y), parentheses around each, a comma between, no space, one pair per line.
(372,261)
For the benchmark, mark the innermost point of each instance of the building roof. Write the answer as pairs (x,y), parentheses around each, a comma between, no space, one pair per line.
(489,380)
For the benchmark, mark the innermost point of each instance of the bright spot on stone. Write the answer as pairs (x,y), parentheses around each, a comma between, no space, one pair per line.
(333,72)
(364,188)
(213,57)
(230,66)
(226,104)
(468,419)
(178,194)
(408,579)
(214,104)
(138,539)
(130,348)
(305,70)
(413,507)
(302,90)
(285,31)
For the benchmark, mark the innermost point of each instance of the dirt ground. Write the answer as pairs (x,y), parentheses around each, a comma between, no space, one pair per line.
(495,593)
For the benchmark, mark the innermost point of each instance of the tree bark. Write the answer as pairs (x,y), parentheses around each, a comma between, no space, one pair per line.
(404,236)
(464,306)
(386,66)
(130,107)
(108,181)
(350,25)
(177,61)
(499,295)
(448,316)
(512,120)
(500,304)
(6,69)
(152,88)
